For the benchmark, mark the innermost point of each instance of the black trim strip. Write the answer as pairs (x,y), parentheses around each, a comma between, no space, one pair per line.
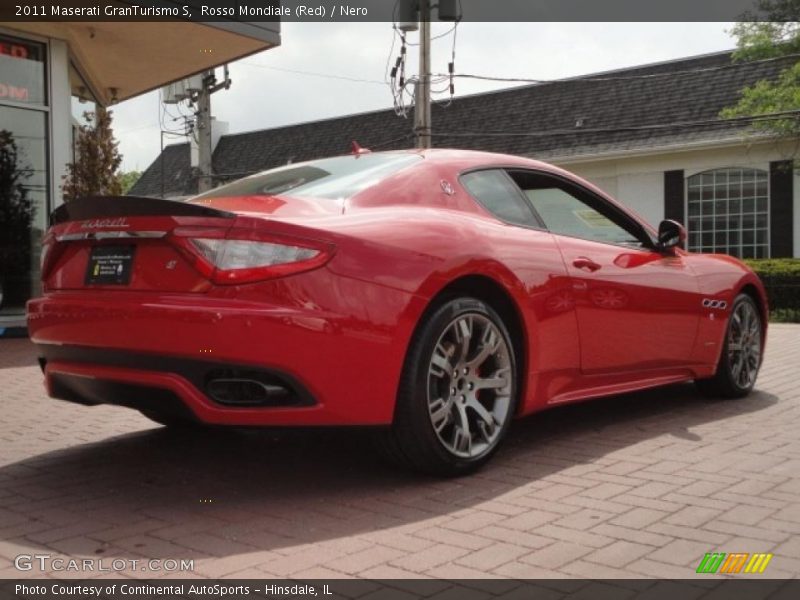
(674,196)
(197,372)
(781,209)
(130,206)
(91,392)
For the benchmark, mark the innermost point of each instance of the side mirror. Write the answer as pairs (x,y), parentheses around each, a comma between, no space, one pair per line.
(671,234)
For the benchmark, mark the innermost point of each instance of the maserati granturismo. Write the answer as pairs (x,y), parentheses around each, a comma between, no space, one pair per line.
(435,295)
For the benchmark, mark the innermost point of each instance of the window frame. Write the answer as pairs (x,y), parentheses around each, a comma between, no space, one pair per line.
(537,223)
(763,169)
(635,227)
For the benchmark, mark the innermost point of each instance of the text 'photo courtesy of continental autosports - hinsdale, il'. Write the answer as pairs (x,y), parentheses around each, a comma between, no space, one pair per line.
(434,295)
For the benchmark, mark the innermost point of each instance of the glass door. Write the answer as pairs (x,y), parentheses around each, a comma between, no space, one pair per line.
(24,171)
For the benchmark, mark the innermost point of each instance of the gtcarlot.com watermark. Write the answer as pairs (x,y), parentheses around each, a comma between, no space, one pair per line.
(50,563)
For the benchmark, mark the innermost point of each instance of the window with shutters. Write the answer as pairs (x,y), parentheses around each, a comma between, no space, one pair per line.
(728,212)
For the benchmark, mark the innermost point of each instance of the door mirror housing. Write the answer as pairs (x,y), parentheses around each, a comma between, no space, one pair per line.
(671,234)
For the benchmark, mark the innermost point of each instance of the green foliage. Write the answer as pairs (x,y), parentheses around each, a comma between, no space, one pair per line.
(781,277)
(97,160)
(770,267)
(767,97)
(758,40)
(784,315)
(127,179)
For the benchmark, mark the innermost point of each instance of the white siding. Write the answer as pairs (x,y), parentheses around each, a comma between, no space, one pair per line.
(644,192)
(638,180)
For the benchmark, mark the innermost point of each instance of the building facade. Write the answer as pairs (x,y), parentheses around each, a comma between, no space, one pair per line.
(651,136)
(46,68)
(740,198)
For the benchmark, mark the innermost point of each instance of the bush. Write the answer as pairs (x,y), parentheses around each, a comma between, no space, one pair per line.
(781,277)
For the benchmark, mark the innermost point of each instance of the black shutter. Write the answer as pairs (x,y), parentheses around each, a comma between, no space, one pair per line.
(781,199)
(673,196)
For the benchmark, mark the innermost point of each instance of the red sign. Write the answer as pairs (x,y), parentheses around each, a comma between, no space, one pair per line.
(12,92)
(19,49)
(21,79)
(14,50)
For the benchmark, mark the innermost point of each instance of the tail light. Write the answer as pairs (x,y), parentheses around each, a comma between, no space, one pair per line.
(50,252)
(243,256)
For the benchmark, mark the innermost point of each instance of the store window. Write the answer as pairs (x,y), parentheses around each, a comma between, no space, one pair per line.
(22,71)
(24,175)
(728,212)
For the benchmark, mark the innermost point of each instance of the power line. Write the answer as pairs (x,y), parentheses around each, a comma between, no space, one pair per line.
(776,116)
(619,77)
(314,74)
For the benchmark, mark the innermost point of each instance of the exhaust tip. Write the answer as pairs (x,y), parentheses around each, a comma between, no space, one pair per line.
(247,392)
(233,389)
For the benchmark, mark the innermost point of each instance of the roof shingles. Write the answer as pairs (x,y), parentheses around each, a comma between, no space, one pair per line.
(540,121)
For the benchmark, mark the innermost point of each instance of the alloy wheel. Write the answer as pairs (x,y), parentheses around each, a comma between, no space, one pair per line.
(470,385)
(744,345)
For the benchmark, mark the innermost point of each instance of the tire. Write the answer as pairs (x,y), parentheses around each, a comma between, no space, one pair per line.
(463,346)
(171,421)
(742,351)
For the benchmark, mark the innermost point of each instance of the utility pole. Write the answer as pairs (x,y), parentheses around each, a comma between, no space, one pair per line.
(204,144)
(204,134)
(422,101)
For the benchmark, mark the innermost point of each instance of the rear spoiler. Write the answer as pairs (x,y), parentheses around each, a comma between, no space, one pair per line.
(95,207)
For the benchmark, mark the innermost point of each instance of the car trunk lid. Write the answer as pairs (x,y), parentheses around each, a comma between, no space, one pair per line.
(127,243)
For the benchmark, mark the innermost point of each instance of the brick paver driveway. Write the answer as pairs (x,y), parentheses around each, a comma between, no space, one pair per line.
(636,486)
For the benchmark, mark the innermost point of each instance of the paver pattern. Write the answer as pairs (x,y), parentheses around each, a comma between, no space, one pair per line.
(641,485)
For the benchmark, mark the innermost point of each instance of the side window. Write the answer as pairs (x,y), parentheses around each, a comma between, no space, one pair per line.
(498,194)
(570,212)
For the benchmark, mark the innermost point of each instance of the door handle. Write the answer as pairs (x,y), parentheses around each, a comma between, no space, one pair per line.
(587,264)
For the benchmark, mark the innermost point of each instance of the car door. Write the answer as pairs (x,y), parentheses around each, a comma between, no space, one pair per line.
(637,308)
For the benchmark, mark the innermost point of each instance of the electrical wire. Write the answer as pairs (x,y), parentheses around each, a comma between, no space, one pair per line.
(767,117)
(437,37)
(397,76)
(385,143)
(451,67)
(619,77)
(314,74)
(162,113)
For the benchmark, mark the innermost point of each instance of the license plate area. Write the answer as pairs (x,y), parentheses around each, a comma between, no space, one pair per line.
(110,265)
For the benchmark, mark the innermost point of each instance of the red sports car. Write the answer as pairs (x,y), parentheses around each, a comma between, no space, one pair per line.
(437,293)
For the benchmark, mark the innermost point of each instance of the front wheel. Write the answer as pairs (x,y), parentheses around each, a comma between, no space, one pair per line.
(458,391)
(740,358)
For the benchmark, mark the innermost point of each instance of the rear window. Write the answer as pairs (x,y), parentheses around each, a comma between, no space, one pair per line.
(334,178)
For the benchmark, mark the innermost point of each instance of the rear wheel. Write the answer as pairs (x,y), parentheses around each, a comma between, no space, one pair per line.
(458,391)
(740,358)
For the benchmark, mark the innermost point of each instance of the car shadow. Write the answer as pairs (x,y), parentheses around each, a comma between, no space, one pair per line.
(268,490)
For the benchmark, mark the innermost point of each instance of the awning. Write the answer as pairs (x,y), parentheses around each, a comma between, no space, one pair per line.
(131,58)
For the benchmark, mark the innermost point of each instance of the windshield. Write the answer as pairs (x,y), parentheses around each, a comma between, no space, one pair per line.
(335,178)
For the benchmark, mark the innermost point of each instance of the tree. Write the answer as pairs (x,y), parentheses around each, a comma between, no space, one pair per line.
(759,40)
(97,159)
(128,179)
(16,215)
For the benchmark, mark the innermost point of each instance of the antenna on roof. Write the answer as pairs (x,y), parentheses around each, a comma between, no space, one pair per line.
(356,149)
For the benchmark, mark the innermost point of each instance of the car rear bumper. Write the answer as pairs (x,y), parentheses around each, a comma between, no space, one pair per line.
(189,356)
